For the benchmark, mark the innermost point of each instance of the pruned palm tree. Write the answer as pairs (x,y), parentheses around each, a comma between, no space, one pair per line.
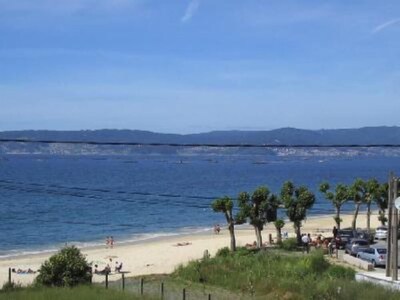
(337,198)
(296,201)
(225,205)
(357,194)
(372,189)
(259,208)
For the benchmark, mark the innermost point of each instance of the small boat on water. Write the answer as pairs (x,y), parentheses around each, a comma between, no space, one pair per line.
(261,162)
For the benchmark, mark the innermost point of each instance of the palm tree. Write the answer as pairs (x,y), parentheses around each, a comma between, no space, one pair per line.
(225,205)
(279,225)
(337,198)
(357,194)
(372,189)
(383,201)
(297,201)
(259,209)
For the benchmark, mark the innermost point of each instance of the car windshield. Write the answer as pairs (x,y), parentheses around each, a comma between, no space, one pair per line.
(382,228)
(381,251)
(346,233)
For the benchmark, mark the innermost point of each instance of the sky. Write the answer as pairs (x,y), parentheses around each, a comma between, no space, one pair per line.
(187,66)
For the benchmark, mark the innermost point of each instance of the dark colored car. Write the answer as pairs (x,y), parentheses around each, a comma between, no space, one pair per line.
(344,236)
(356,245)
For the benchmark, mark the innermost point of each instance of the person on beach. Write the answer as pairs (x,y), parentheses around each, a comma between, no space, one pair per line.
(217,229)
(106,270)
(334,232)
(112,241)
(306,242)
(118,267)
(107,241)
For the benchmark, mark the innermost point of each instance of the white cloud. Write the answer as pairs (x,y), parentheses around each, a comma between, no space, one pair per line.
(385,25)
(190,10)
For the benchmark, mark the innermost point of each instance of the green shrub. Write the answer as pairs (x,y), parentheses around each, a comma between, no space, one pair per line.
(338,272)
(65,268)
(289,244)
(223,252)
(316,262)
(11,286)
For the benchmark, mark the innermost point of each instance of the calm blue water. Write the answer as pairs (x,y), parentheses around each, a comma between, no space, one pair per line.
(46,201)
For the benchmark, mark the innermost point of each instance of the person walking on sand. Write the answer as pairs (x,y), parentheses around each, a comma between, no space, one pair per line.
(112,241)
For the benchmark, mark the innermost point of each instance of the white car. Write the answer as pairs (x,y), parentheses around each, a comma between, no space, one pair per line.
(376,256)
(381,233)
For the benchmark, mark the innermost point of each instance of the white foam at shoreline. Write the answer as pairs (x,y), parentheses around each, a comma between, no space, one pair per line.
(93,244)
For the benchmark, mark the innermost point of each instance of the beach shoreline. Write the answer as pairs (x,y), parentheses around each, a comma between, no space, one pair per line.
(161,255)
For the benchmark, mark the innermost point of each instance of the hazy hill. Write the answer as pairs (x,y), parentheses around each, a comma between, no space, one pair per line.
(287,136)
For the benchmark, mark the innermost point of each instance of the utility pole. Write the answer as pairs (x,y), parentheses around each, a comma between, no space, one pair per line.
(395,226)
(389,231)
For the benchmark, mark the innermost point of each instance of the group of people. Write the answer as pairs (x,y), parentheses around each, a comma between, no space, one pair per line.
(110,241)
(21,271)
(321,242)
(217,229)
(107,269)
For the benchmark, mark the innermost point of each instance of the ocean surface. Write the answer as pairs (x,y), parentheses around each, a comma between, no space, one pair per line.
(48,200)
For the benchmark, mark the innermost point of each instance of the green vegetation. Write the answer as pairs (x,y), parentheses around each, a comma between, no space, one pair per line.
(270,275)
(225,205)
(259,208)
(68,267)
(297,201)
(279,224)
(337,198)
(289,244)
(77,293)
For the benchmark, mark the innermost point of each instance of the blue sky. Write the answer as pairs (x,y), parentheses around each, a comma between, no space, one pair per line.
(198,65)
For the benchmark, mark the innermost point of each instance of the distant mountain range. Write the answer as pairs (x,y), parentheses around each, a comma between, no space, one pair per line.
(287,136)
(284,136)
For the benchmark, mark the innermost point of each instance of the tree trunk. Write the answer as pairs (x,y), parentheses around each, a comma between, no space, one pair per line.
(354,223)
(231,228)
(337,218)
(258,236)
(278,235)
(298,232)
(382,217)
(369,217)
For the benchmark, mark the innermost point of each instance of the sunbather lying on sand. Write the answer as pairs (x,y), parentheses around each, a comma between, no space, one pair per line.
(182,244)
(20,271)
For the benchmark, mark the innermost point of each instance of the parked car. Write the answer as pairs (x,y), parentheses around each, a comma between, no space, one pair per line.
(355,246)
(381,233)
(344,236)
(377,256)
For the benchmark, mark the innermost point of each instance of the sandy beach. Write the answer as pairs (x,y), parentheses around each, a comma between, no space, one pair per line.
(163,255)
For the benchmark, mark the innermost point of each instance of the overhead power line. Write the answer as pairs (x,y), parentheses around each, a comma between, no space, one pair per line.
(210,145)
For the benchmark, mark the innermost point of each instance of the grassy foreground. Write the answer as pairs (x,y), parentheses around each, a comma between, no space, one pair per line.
(271,275)
(78,293)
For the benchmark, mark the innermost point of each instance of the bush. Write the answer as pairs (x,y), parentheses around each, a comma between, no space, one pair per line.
(65,268)
(11,286)
(289,244)
(338,272)
(223,252)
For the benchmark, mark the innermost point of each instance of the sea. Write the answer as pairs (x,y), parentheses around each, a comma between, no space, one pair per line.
(47,201)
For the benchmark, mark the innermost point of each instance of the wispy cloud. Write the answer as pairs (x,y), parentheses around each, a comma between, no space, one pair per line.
(385,25)
(190,10)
